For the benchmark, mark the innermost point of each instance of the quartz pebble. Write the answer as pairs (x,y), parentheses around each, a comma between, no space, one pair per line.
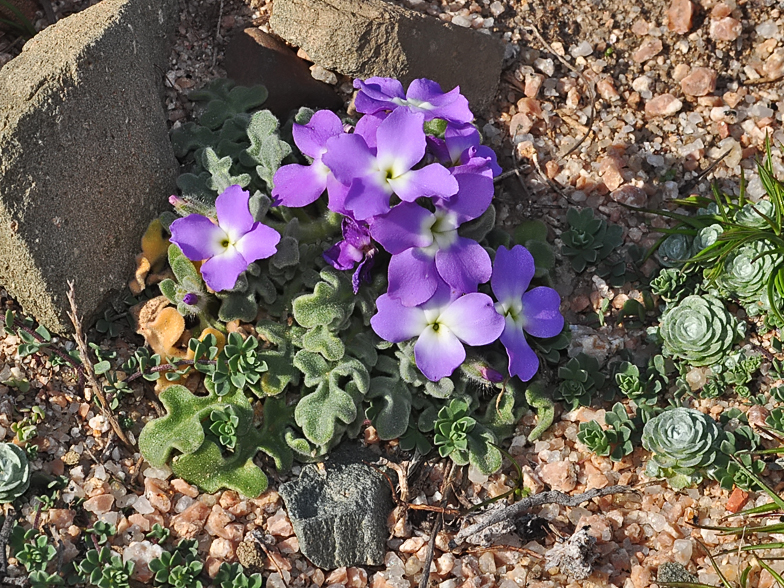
(649,49)
(663,105)
(141,553)
(725,29)
(559,475)
(680,16)
(143,506)
(699,82)
(99,504)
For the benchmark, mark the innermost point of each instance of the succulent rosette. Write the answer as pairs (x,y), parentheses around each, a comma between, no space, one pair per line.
(682,441)
(14,472)
(752,214)
(698,330)
(745,274)
(706,237)
(675,250)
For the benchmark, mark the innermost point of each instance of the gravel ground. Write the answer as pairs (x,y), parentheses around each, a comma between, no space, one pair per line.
(667,105)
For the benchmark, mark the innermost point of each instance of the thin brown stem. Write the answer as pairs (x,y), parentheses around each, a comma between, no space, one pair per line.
(89,370)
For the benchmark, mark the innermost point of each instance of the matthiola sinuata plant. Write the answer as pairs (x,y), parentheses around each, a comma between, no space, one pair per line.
(356,258)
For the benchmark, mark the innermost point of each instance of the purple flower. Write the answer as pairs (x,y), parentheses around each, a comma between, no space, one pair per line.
(426,249)
(355,248)
(535,312)
(373,177)
(425,96)
(229,246)
(299,185)
(442,326)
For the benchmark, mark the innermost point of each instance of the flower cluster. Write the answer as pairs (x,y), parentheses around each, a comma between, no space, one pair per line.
(405,178)
(410,190)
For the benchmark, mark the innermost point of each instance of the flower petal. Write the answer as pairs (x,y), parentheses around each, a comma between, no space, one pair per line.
(512,273)
(406,225)
(395,322)
(198,237)
(401,141)
(429,181)
(367,197)
(464,265)
(438,353)
(523,362)
(221,272)
(473,319)
(458,138)
(413,278)
(375,94)
(541,312)
(336,200)
(367,127)
(312,137)
(474,194)
(234,215)
(299,185)
(451,105)
(258,243)
(349,157)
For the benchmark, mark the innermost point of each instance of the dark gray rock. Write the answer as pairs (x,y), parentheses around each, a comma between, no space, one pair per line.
(365,38)
(671,571)
(339,514)
(85,158)
(254,57)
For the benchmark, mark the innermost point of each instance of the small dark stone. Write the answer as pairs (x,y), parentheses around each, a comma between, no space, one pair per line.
(670,571)
(339,514)
(254,57)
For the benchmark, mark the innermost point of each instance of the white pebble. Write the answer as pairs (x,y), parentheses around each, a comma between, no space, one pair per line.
(767,29)
(127,500)
(582,49)
(496,8)
(183,503)
(682,550)
(157,473)
(546,66)
(461,21)
(143,506)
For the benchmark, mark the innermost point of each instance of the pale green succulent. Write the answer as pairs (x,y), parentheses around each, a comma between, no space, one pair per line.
(699,330)
(751,215)
(675,250)
(706,237)
(745,274)
(14,472)
(682,442)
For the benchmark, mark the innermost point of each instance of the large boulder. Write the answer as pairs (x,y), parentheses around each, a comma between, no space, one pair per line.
(85,158)
(365,38)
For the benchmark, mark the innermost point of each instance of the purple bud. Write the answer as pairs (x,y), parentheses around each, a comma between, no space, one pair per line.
(190,299)
(490,374)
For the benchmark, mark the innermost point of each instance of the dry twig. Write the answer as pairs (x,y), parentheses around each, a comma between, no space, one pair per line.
(437,525)
(89,371)
(514,510)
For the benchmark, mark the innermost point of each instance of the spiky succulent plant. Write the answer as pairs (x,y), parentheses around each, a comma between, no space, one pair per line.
(745,273)
(671,284)
(682,442)
(588,239)
(14,472)
(698,330)
(580,379)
